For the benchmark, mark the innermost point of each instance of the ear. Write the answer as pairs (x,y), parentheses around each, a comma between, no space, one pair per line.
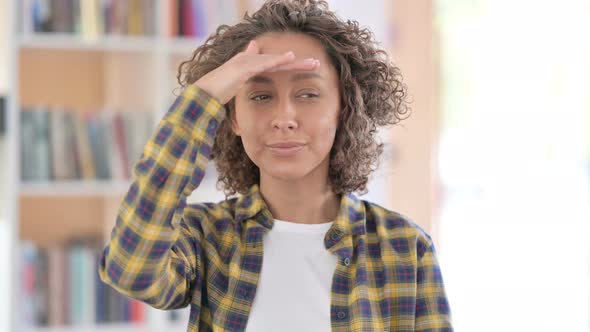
(234,123)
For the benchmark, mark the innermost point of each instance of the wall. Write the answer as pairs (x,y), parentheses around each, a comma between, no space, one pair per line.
(3,46)
(414,49)
(406,180)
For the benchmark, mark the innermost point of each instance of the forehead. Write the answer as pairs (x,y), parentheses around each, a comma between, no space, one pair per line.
(302,45)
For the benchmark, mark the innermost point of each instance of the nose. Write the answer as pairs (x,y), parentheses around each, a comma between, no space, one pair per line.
(284,117)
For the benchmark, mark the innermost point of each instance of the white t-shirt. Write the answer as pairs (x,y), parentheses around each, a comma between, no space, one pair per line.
(293,293)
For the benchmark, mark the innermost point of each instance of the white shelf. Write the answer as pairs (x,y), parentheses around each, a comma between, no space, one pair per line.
(74,188)
(206,192)
(114,327)
(110,43)
(183,46)
(107,327)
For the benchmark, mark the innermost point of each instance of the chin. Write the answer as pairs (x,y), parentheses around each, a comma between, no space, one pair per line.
(290,172)
(286,174)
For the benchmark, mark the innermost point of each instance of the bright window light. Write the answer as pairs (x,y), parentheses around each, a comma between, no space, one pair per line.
(515,164)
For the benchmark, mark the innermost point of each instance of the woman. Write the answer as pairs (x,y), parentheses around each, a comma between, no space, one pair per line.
(287,102)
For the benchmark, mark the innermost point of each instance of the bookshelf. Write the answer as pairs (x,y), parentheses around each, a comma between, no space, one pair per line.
(96,63)
(8,183)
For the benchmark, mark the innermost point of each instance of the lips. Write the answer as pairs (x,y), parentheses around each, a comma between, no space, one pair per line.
(285,149)
(283,145)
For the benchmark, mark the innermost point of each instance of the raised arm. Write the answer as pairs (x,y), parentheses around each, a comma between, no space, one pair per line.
(152,255)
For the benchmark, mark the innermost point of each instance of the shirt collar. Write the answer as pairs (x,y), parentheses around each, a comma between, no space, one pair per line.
(349,221)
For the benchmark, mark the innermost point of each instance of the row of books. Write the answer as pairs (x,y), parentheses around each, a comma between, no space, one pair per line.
(62,144)
(93,18)
(199,18)
(89,18)
(60,286)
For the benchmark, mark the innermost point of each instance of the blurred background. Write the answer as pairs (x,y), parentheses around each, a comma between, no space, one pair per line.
(494,161)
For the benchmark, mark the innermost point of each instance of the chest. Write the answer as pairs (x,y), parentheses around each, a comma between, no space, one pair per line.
(358,284)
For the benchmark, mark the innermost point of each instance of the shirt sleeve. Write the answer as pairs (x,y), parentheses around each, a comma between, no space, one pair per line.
(432,308)
(153,255)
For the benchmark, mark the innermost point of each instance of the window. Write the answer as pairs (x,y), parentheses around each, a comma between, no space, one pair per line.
(515,163)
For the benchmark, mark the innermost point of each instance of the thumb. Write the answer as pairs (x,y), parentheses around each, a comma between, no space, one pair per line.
(252,48)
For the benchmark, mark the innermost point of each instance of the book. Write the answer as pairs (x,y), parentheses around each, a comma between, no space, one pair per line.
(200,18)
(57,285)
(59,149)
(135,18)
(122,137)
(96,137)
(26,144)
(28,273)
(41,163)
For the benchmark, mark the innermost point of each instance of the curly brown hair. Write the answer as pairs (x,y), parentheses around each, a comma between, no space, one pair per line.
(372,90)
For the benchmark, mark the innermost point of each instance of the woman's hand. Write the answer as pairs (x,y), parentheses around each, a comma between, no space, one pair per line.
(224,82)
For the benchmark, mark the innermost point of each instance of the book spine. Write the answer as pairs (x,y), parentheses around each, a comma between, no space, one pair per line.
(57,145)
(56,284)
(41,163)
(26,144)
(173,23)
(122,144)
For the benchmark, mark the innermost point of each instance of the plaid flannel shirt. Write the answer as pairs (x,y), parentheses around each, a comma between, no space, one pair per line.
(208,256)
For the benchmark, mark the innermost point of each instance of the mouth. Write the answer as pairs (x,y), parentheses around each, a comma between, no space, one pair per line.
(285,149)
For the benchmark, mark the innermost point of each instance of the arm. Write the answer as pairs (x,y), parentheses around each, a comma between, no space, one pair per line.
(432,308)
(152,255)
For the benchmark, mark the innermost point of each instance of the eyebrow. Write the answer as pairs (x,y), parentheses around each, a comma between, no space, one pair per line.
(295,77)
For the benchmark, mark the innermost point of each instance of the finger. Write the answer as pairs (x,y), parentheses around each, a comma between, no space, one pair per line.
(252,47)
(307,64)
(266,62)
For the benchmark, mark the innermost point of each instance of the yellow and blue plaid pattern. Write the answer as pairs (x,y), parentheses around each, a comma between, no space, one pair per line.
(208,256)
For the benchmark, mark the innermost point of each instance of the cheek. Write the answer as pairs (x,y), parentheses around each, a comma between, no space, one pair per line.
(248,127)
(328,121)
(244,121)
(324,129)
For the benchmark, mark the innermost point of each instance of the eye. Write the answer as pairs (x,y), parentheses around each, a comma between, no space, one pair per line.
(260,97)
(308,95)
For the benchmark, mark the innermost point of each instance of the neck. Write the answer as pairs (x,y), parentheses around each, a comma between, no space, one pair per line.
(305,201)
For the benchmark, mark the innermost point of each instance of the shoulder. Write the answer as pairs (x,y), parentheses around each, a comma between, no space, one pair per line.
(398,230)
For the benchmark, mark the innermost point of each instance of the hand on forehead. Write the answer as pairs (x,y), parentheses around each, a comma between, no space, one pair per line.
(303,46)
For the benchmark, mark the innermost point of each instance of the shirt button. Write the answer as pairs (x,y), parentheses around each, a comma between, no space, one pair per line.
(341,315)
(347,261)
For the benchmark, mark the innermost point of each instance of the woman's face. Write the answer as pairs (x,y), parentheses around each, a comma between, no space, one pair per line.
(287,120)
